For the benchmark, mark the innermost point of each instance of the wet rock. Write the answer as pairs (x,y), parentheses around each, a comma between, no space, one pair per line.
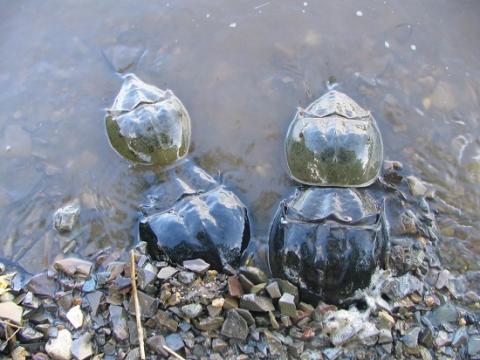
(342,325)
(75,316)
(385,320)
(385,336)
(174,342)
(65,218)
(410,339)
(443,96)
(166,272)
(42,285)
(11,312)
(192,311)
(273,290)
(234,287)
(59,348)
(74,267)
(443,314)
(257,288)
(287,305)
(123,57)
(399,287)
(197,265)
(254,274)
(247,285)
(416,186)
(235,326)
(82,347)
(443,279)
(474,345)
(258,303)
(442,339)
(118,318)
(460,337)
(209,323)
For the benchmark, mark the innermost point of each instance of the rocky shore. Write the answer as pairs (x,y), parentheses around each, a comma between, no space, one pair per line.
(84,309)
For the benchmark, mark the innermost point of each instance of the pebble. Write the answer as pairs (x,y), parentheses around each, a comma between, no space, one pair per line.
(197,265)
(254,274)
(416,186)
(166,272)
(118,318)
(410,339)
(287,305)
(11,312)
(75,316)
(42,285)
(74,267)
(82,347)
(273,290)
(192,311)
(235,326)
(442,339)
(19,353)
(166,320)
(218,345)
(443,279)
(473,345)
(186,277)
(65,218)
(385,320)
(59,348)
(209,323)
(234,287)
(258,303)
(174,342)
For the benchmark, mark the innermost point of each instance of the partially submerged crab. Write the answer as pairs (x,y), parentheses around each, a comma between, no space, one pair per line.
(188,214)
(328,240)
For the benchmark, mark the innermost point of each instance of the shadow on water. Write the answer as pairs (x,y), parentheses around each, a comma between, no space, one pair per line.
(241,70)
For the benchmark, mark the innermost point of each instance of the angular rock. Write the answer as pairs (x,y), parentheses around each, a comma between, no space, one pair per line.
(163,318)
(399,287)
(42,285)
(247,315)
(273,290)
(443,279)
(474,345)
(460,337)
(28,334)
(254,274)
(385,336)
(444,313)
(94,300)
(235,326)
(11,312)
(288,287)
(218,345)
(19,353)
(82,347)
(59,348)
(258,303)
(234,287)
(118,317)
(442,339)
(148,305)
(416,186)
(186,277)
(174,342)
(156,343)
(210,323)
(75,316)
(197,265)
(247,285)
(166,272)
(275,346)
(385,320)
(74,267)
(192,311)
(287,305)
(342,325)
(65,218)
(410,339)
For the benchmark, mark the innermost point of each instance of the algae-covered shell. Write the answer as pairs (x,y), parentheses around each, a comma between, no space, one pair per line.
(334,142)
(148,125)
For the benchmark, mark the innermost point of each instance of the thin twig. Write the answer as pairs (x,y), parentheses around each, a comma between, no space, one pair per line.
(10,324)
(137,306)
(173,353)
(13,335)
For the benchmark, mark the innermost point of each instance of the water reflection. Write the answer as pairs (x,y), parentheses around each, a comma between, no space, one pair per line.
(414,65)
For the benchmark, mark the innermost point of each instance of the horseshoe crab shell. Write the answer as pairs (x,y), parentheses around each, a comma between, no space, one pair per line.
(334,142)
(148,125)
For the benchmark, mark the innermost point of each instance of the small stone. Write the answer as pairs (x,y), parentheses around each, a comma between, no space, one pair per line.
(287,305)
(442,339)
(75,316)
(332,353)
(65,218)
(473,345)
(192,311)
(273,290)
(410,339)
(275,346)
(59,348)
(89,285)
(156,343)
(306,308)
(257,288)
(118,317)
(234,287)
(174,342)
(42,285)
(444,313)
(460,337)
(286,321)
(443,279)
(273,321)
(235,326)
(209,323)
(246,283)
(385,336)
(19,353)
(426,337)
(186,277)
(148,305)
(429,301)
(230,303)
(258,303)
(254,274)
(28,334)
(166,272)
(288,287)
(82,347)
(163,318)
(218,302)
(416,186)
(218,345)
(247,315)
(74,267)
(11,312)
(213,311)
(385,320)
(197,265)
(94,300)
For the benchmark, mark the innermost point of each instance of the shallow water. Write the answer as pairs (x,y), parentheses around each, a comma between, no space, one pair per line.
(241,68)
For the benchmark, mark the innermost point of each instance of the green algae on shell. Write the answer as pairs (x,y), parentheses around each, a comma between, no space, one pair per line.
(334,142)
(148,125)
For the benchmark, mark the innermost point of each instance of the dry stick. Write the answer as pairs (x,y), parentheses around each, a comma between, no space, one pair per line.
(137,306)
(171,352)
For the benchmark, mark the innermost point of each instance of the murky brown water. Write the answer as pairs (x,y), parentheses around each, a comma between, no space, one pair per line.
(241,68)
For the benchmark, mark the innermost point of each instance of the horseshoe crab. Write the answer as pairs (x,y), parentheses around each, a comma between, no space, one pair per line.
(328,240)
(188,214)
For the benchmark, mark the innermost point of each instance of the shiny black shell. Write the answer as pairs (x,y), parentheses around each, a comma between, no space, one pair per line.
(328,241)
(190,215)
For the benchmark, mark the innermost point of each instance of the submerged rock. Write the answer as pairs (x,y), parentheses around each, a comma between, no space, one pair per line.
(65,218)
